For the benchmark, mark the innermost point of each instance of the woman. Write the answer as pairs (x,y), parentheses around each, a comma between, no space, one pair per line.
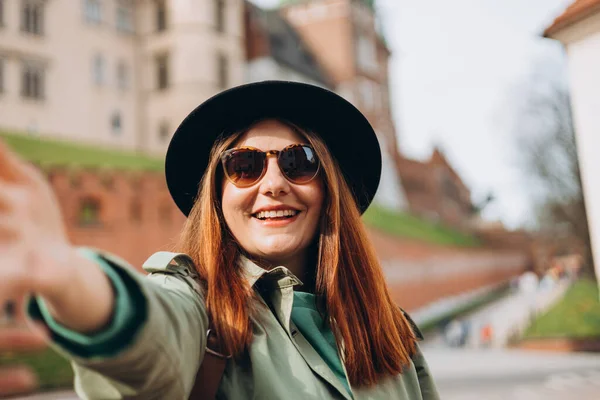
(273,177)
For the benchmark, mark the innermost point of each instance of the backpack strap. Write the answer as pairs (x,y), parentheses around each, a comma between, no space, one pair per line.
(210,372)
(213,365)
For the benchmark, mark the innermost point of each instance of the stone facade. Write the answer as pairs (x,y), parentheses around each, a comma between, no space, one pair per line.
(129,214)
(117,73)
(435,191)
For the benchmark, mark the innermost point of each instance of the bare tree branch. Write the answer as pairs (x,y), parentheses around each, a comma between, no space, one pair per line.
(548,154)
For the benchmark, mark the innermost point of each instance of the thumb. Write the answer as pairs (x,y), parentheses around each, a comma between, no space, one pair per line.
(12,167)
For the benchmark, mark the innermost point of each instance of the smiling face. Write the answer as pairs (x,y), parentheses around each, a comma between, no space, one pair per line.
(274,219)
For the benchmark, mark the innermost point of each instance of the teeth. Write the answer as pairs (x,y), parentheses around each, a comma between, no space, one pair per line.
(275,214)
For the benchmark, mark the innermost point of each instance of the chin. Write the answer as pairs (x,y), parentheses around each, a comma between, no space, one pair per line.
(277,253)
(277,250)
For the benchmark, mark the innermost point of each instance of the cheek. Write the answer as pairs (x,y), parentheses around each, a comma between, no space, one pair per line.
(234,201)
(314,195)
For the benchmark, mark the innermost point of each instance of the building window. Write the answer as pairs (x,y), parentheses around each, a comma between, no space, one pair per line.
(414,184)
(161,15)
(162,71)
(367,94)
(366,54)
(116,123)
(1,74)
(108,181)
(125,17)
(136,211)
(219,15)
(449,188)
(163,131)
(385,97)
(98,69)
(93,11)
(122,76)
(32,17)
(32,81)
(89,212)
(222,71)
(1,13)
(165,214)
(376,89)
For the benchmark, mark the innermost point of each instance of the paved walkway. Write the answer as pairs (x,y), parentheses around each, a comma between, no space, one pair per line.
(507,316)
(474,373)
(499,374)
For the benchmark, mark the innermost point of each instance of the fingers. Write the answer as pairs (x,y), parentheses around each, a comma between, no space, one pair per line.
(19,338)
(17,333)
(15,380)
(12,168)
(14,202)
(14,220)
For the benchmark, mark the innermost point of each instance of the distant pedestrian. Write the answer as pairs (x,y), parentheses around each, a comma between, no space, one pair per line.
(487,333)
(455,333)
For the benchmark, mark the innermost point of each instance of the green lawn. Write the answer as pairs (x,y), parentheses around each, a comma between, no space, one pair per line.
(52,370)
(409,226)
(576,315)
(46,152)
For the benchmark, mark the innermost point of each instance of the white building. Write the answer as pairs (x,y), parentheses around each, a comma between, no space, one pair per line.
(119,73)
(578,28)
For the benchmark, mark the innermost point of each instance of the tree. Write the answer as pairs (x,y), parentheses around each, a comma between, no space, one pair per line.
(547,151)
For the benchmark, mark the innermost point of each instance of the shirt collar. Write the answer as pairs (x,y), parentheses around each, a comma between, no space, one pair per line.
(279,276)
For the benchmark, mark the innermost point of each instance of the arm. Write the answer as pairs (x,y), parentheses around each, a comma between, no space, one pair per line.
(36,256)
(155,353)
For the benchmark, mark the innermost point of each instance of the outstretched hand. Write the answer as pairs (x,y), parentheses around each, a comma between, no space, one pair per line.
(34,249)
(36,256)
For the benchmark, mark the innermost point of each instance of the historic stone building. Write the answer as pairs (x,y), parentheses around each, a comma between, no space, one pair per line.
(117,73)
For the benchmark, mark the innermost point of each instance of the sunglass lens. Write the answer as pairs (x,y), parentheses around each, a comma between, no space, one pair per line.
(244,167)
(299,163)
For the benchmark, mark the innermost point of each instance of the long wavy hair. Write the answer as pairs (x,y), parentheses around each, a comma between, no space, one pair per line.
(376,338)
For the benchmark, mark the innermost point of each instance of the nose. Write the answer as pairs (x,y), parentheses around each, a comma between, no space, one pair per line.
(274,183)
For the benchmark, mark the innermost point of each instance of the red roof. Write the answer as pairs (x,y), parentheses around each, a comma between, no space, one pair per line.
(575,12)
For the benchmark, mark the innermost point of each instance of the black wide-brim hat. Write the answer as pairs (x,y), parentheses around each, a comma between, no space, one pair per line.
(348,135)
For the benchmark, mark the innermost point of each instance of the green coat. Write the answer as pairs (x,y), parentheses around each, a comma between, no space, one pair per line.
(163,357)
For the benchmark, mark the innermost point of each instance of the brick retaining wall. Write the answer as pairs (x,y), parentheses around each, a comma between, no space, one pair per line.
(134,216)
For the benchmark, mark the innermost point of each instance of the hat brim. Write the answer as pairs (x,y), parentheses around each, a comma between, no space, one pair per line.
(348,135)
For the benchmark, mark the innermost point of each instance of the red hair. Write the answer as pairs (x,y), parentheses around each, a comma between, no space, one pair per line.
(351,291)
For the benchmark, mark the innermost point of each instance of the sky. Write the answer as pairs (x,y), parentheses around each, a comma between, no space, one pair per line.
(454,67)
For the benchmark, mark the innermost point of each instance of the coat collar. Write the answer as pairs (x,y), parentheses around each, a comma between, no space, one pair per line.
(279,276)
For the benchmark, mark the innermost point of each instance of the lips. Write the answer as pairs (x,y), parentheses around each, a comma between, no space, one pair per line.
(271,214)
